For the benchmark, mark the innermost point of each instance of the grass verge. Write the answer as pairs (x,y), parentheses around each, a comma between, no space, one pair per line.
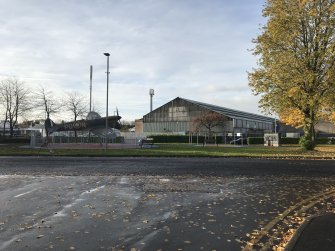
(180,150)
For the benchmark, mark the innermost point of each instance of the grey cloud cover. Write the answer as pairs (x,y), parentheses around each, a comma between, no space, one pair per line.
(193,49)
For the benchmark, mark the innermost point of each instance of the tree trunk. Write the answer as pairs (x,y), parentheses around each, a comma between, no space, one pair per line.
(308,140)
(11,130)
(4,127)
(75,131)
(4,124)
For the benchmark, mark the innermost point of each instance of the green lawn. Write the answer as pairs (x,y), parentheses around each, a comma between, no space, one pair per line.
(181,150)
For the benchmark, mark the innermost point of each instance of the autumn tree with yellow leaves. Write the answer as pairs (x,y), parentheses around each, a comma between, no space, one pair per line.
(296,66)
(292,117)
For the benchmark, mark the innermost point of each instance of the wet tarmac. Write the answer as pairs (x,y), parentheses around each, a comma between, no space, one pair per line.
(158,203)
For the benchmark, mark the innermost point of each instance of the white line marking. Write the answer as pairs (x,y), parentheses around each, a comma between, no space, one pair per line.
(164,180)
(124,180)
(61,213)
(7,243)
(21,194)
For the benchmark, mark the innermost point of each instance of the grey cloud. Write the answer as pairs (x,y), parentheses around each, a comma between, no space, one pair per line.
(172,46)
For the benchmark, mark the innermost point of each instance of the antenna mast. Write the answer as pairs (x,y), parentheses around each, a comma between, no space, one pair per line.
(151,93)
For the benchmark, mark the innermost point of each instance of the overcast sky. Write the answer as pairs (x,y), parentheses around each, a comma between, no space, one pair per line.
(194,49)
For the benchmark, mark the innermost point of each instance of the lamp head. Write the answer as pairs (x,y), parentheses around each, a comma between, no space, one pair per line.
(107,54)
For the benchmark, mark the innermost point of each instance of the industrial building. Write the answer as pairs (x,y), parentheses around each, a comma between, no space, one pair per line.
(178,116)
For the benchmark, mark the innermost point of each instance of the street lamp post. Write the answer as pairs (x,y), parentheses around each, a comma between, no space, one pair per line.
(107,55)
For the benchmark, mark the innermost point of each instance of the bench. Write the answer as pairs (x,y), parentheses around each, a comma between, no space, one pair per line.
(146,142)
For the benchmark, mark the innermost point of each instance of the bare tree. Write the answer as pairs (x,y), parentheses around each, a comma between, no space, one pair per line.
(47,102)
(76,104)
(3,101)
(14,98)
(209,120)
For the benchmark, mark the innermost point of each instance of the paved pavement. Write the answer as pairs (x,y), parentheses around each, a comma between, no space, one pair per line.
(158,203)
(317,233)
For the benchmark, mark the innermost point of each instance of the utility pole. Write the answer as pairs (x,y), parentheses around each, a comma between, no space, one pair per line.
(91,75)
(107,55)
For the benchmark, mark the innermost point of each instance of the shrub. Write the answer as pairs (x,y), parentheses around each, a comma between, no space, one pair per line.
(64,139)
(289,141)
(322,141)
(18,140)
(169,138)
(184,139)
(307,144)
(255,141)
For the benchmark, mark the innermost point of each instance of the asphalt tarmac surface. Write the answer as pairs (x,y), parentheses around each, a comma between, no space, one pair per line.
(54,203)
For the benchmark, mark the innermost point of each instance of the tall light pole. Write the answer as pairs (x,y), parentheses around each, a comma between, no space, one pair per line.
(107,55)
(91,75)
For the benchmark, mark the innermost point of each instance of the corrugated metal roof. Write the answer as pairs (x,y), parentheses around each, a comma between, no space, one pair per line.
(235,114)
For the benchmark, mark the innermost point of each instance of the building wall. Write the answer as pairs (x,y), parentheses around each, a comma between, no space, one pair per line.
(325,127)
(167,127)
(253,125)
(139,126)
(322,128)
(175,110)
(177,116)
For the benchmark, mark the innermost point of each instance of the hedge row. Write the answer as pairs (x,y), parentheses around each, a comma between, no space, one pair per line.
(62,139)
(199,139)
(220,140)
(8,140)
(330,141)
(184,139)
(255,140)
(290,141)
(174,139)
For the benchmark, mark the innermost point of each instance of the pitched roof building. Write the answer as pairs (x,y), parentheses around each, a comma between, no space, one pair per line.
(178,116)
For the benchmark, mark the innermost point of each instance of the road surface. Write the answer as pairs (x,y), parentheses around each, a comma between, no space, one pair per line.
(60,203)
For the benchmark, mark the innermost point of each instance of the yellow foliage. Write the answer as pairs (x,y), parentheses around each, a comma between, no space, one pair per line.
(332,117)
(293,91)
(296,54)
(292,117)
